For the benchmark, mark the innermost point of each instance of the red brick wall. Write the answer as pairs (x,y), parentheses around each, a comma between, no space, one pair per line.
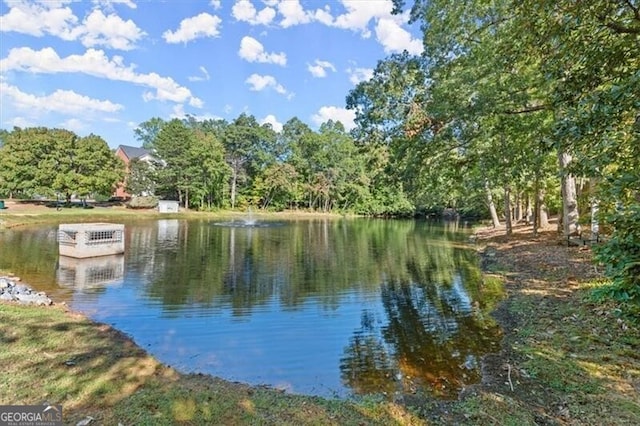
(120,192)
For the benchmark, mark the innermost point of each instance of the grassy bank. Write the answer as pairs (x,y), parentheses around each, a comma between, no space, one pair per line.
(565,358)
(19,213)
(92,370)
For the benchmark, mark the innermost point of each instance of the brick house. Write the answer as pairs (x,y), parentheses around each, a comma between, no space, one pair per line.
(127,154)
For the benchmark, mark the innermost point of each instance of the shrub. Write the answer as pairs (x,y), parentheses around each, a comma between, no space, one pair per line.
(143,203)
(621,254)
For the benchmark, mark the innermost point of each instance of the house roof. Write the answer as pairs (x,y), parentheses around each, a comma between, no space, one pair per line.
(133,152)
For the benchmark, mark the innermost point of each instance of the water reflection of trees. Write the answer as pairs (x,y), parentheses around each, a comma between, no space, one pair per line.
(323,259)
(31,253)
(430,333)
(430,337)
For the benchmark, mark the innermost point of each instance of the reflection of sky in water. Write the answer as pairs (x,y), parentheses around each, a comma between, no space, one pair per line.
(270,346)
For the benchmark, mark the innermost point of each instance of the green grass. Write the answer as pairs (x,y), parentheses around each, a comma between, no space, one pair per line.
(34,214)
(493,409)
(57,357)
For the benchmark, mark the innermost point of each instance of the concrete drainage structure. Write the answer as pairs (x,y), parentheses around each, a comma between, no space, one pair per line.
(82,240)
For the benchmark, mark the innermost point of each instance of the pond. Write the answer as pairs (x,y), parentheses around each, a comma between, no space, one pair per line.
(322,307)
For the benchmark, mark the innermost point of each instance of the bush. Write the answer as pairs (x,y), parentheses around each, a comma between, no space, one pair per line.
(143,203)
(621,254)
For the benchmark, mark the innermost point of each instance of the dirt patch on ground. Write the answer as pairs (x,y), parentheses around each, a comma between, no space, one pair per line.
(564,358)
(17,207)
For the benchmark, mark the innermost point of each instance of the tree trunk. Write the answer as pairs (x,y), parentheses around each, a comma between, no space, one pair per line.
(595,206)
(569,197)
(507,209)
(543,215)
(518,208)
(595,225)
(491,204)
(234,179)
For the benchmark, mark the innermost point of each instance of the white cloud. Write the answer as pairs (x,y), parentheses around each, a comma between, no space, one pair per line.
(358,16)
(39,19)
(343,115)
(196,102)
(74,124)
(259,83)
(110,31)
(359,13)
(271,119)
(95,63)
(319,68)
(357,75)
(202,25)
(252,50)
(323,16)
(178,112)
(204,77)
(293,13)
(395,39)
(61,101)
(20,122)
(245,11)
(216,4)
(108,4)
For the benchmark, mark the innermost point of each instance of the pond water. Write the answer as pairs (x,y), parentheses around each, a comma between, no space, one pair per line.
(321,307)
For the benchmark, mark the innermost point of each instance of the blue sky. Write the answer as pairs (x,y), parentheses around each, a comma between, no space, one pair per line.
(104,66)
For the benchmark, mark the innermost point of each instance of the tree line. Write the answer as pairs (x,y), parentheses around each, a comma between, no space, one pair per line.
(240,164)
(515,109)
(210,165)
(534,100)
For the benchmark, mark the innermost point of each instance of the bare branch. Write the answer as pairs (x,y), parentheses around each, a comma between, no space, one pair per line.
(621,29)
(526,110)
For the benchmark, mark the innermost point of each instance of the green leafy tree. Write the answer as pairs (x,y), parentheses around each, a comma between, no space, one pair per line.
(249,150)
(591,60)
(55,161)
(94,168)
(560,76)
(277,188)
(148,131)
(141,179)
(173,146)
(210,171)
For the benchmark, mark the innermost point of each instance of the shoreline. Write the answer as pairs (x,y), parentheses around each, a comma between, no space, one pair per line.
(564,359)
(17,214)
(191,394)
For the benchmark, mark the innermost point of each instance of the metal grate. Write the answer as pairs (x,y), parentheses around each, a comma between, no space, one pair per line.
(67,238)
(103,237)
